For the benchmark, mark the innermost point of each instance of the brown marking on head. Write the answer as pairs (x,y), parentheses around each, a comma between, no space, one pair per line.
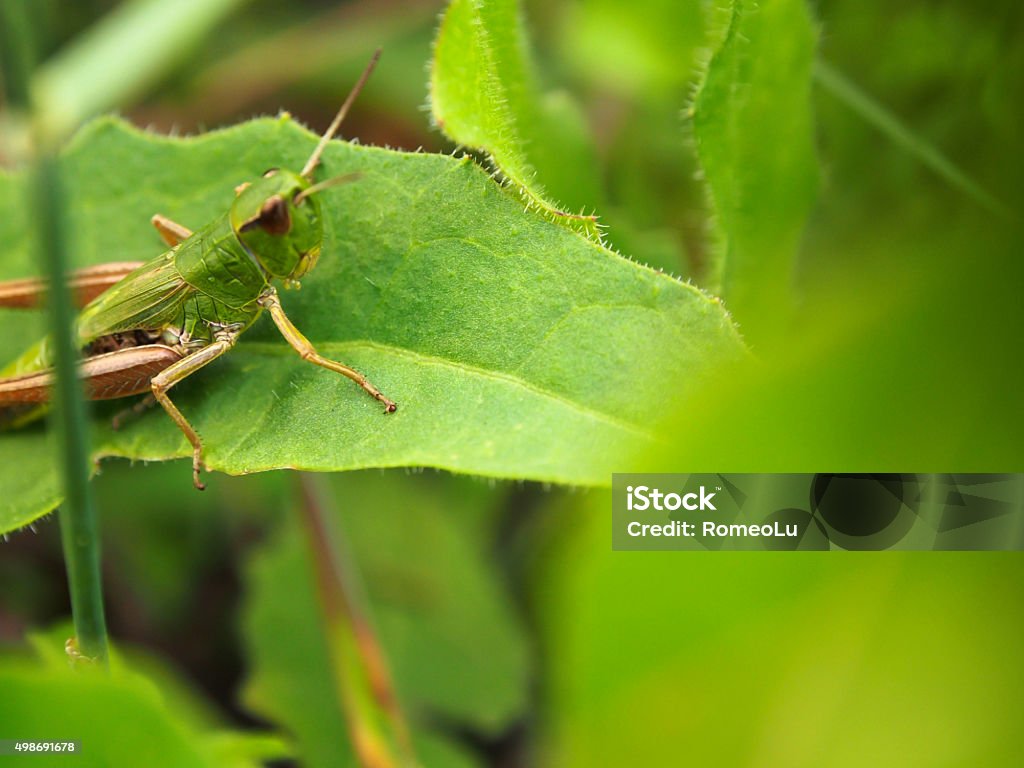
(273,217)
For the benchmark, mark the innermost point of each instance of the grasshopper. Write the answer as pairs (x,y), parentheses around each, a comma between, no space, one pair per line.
(145,326)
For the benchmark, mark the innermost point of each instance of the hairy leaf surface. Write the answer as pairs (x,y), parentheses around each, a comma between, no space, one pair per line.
(514,347)
(483,95)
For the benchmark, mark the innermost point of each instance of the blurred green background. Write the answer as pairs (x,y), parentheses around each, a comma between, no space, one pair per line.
(515,635)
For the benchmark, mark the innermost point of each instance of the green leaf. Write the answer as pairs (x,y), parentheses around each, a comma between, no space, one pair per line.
(730,659)
(456,647)
(753,128)
(483,96)
(455,650)
(514,347)
(119,717)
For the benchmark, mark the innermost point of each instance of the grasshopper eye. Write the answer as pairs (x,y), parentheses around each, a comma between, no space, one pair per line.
(273,217)
(270,172)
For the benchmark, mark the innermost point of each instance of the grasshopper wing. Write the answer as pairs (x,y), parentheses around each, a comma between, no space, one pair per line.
(149,298)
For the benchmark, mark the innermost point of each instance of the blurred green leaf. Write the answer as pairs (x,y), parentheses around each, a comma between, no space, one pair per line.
(139,41)
(753,127)
(644,49)
(456,653)
(632,66)
(456,646)
(922,374)
(315,58)
(120,717)
(514,347)
(733,659)
(484,96)
(117,722)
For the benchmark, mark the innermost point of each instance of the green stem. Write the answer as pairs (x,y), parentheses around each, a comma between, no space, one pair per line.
(78,522)
(46,206)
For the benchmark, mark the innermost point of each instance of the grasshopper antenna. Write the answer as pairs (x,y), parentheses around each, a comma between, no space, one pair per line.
(314,159)
(327,184)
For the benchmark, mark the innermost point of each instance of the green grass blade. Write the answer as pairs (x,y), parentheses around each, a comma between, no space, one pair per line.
(842,88)
(140,41)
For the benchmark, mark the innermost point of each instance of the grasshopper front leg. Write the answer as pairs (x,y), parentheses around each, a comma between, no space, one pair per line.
(307,351)
(171,231)
(180,370)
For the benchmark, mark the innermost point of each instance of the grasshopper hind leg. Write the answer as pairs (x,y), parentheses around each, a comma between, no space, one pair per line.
(179,371)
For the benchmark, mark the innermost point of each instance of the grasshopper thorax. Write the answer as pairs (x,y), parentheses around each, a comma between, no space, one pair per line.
(281,228)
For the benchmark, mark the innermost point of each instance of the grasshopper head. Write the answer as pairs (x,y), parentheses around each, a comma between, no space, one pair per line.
(280,226)
(278,216)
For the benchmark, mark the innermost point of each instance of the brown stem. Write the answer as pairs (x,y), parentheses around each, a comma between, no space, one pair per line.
(344,608)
